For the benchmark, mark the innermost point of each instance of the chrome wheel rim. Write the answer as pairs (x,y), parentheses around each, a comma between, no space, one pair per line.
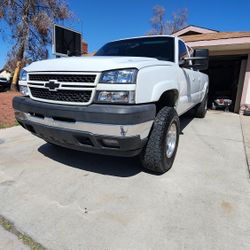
(206,104)
(171,140)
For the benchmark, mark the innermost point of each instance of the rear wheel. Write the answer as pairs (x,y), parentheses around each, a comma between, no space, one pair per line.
(201,108)
(213,106)
(159,153)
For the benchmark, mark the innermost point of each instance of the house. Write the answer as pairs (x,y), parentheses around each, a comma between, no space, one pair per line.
(229,62)
(84,47)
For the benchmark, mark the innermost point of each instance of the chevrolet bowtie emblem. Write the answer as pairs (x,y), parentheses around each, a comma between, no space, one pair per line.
(52,85)
(123,132)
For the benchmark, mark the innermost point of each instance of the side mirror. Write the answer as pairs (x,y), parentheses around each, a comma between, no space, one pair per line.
(201,64)
(199,60)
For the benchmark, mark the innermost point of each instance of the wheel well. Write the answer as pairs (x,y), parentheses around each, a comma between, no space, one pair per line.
(168,98)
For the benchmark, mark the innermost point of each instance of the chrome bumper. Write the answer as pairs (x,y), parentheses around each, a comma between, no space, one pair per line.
(142,129)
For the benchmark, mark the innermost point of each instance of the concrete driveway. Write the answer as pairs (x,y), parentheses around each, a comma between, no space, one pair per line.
(71,200)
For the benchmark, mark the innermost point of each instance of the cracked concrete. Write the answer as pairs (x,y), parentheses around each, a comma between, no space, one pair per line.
(12,238)
(9,241)
(72,200)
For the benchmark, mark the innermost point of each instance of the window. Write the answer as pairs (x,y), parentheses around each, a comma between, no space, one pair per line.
(161,48)
(182,50)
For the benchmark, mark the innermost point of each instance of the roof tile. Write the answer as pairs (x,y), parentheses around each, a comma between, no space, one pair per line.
(215,36)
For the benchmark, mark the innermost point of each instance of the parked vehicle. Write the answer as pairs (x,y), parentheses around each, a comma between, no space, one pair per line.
(125,101)
(222,102)
(4,84)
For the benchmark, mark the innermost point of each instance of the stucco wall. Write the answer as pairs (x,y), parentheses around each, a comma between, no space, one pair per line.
(245,100)
(248,94)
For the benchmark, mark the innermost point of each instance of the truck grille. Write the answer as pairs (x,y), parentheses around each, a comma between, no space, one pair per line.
(76,96)
(62,77)
(71,88)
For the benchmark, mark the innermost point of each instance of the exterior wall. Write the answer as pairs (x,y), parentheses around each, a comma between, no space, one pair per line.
(245,99)
(221,42)
(226,52)
(84,48)
(240,85)
(196,29)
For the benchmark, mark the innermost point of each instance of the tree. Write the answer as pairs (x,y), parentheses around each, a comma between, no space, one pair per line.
(161,26)
(30,25)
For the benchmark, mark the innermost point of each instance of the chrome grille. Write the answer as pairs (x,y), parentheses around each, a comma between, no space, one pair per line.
(71,88)
(62,77)
(74,96)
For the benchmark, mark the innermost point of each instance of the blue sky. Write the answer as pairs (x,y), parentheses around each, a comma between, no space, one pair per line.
(103,21)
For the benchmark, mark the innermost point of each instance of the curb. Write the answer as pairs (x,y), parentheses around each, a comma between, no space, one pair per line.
(245,125)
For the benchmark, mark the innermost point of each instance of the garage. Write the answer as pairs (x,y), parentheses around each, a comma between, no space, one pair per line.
(229,66)
(225,81)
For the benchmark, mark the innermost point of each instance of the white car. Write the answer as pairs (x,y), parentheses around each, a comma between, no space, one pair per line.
(126,100)
(4,84)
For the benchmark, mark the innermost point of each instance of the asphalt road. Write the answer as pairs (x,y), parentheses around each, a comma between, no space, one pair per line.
(65,199)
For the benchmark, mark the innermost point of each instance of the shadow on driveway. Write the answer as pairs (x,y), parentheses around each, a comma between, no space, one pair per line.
(102,164)
(185,120)
(106,165)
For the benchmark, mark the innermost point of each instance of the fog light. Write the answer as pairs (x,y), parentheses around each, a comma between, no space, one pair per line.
(112,143)
(20,115)
(24,90)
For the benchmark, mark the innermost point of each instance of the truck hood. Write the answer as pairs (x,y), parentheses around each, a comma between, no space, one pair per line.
(93,63)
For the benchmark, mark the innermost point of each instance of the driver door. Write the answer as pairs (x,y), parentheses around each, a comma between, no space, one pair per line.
(186,80)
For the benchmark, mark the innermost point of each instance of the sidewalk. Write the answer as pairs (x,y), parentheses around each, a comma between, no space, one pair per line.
(245,123)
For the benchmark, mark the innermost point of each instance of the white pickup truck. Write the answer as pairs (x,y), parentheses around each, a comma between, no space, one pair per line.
(124,101)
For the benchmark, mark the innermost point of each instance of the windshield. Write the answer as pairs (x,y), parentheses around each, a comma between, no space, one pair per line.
(161,48)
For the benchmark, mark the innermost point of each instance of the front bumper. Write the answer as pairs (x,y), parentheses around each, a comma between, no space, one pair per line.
(106,129)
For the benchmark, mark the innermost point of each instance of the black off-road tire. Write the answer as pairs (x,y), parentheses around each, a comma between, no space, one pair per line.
(154,156)
(201,108)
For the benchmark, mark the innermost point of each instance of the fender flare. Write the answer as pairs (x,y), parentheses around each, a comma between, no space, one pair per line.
(161,88)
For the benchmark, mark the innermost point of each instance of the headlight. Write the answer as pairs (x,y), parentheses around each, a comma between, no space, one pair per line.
(115,96)
(24,90)
(23,75)
(119,76)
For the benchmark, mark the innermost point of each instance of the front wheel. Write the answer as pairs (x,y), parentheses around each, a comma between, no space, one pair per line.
(159,153)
